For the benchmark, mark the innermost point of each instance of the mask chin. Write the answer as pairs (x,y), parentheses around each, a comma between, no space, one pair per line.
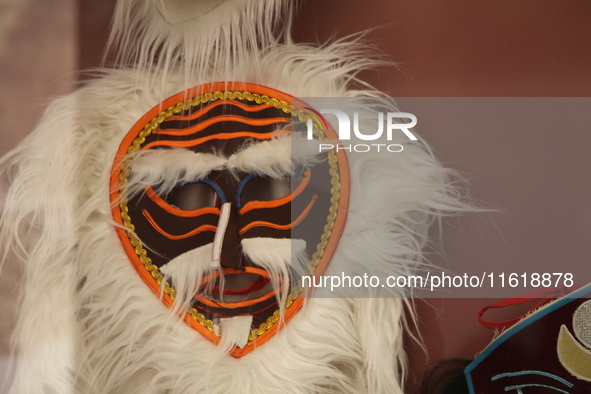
(179,11)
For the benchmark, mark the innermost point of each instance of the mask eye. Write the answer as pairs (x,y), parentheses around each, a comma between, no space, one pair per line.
(197,195)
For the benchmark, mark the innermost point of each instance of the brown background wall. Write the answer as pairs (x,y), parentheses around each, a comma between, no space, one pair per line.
(38,60)
(450,49)
(485,49)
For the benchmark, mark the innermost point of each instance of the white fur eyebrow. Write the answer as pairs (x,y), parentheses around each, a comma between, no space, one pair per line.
(281,155)
(169,167)
(276,157)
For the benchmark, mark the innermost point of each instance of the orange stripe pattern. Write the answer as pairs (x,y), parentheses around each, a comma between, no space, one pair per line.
(152,195)
(222,118)
(203,111)
(249,206)
(278,226)
(198,230)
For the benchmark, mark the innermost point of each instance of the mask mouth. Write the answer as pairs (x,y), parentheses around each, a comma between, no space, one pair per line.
(239,286)
(179,11)
(231,288)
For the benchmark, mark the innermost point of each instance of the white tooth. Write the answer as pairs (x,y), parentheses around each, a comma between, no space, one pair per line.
(235,330)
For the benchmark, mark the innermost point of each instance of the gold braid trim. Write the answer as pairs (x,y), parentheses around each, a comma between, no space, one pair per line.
(207,98)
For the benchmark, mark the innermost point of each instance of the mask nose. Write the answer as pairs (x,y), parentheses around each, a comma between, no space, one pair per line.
(227,251)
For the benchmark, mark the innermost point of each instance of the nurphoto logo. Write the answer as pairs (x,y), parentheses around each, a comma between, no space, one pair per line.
(344,131)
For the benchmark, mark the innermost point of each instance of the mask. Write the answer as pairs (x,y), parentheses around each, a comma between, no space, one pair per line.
(548,351)
(222,205)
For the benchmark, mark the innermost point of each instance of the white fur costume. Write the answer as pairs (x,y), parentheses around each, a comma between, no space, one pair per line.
(88,323)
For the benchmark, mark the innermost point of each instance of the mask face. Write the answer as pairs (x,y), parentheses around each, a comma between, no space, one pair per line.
(224,205)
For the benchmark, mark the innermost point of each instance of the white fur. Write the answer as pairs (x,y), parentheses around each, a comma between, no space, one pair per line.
(235,331)
(89,324)
(166,168)
(201,255)
(218,40)
(284,259)
(186,271)
(276,157)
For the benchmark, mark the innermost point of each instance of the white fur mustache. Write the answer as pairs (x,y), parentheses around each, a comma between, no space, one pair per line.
(284,259)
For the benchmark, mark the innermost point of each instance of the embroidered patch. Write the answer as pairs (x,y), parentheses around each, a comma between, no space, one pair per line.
(582,323)
(538,354)
(573,356)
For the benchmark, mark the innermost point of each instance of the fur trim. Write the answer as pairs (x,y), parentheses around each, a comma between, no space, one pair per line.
(146,38)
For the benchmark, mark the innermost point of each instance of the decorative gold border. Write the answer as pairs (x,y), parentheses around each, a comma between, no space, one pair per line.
(186,105)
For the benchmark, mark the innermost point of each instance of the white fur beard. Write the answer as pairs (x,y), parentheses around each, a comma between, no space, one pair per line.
(88,322)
